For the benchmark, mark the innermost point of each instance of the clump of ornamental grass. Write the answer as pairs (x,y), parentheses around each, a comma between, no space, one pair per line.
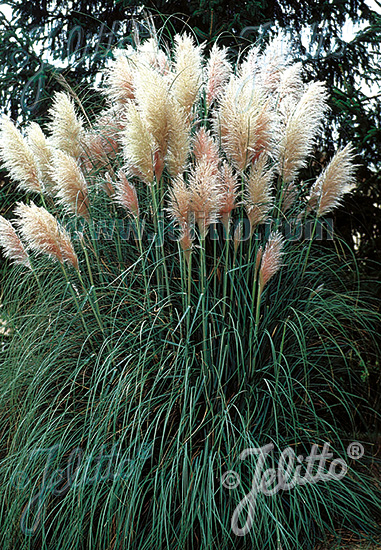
(170,307)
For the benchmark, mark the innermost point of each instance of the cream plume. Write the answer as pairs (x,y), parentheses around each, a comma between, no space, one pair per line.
(289,194)
(301,130)
(65,126)
(258,198)
(102,143)
(250,65)
(266,69)
(178,140)
(44,234)
(18,158)
(94,156)
(150,53)
(291,84)
(271,258)
(71,186)
(272,65)
(336,180)
(179,210)
(13,247)
(217,73)
(243,122)
(119,81)
(229,193)
(205,149)
(43,154)
(187,71)
(125,194)
(153,103)
(138,145)
(204,195)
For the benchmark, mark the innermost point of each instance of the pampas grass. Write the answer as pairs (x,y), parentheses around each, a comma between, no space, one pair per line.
(12,245)
(44,234)
(167,323)
(18,158)
(335,181)
(70,184)
(66,127)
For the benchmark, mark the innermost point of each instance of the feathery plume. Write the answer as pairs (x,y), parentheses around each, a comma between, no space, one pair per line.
(43,154)
(336,180)
(205,149)
(125,194)
(119,81)
(18,158)
(11,242)
(229,193)
(300,131)
(243,122)
(266,68)
(150,53)
(153,102)
(204,195)
(187,71)
(258,199)
(291,84)
(250,65)
(44,234)
(179,210)
(65,126)
(289,194)
(102,143)
(71,186)
(217,73)
(271,258)
(94,156)
(272,65)
(138,145)
(178,140)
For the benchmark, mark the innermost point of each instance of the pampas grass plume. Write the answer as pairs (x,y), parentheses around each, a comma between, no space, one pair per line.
(138,145)
(244,122)
(204,195)
(336,180)
(271,258)
(71,187)
(188,71)
(179,210)
(119,81)
(44,234)
(258,198)
(301,130)
(65,126)
(12,245)
(217,73)
(125,194)
(205,149)
(18,157)
(43,154)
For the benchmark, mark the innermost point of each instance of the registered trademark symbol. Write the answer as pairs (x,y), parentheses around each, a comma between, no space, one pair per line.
(230,479)
(355,450)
